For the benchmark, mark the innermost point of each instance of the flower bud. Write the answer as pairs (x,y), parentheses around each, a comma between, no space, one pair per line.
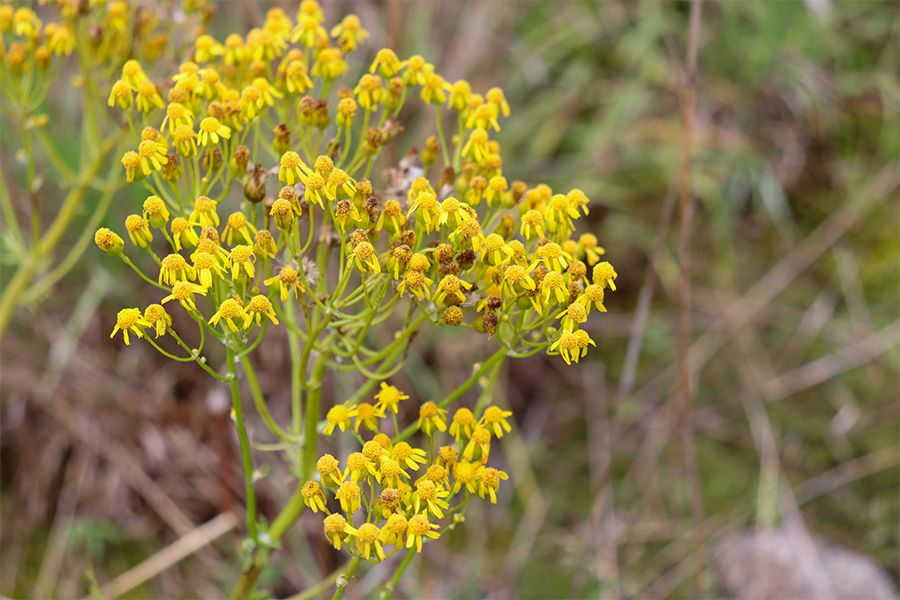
(108,241)
(255,188)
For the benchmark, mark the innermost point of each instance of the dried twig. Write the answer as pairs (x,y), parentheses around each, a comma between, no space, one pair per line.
(171,554)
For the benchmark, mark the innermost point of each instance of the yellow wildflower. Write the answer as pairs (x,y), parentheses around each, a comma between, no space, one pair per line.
(490,483)
(349,496)
(109,241)
(339,416)
(494,419)
(431,418)
(329,470)
(337,529)
(367,538)
(363,257)
(313,496)
(206,267)
(388,398)
(174,268)
(386,62)
(242,259)
(605,275)
(184,292)
(204,212)
(366,414)
(183,234)
(463,424)
(211,130)
(158,318)
(288,280)
(429,498)
(259,307)
(138,231)
(129,320)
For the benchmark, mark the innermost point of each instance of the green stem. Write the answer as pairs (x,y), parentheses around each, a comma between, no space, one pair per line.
(137,270)
(313,410)
(9,301)
(260,403)
(285,519)
(244,439)
(351,569)
(391,585)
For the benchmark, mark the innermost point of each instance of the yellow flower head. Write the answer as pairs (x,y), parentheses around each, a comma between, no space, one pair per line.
(451,290)
(211,131)
(605,275)
(204,212)
(242,259)
(386,62)
(152,156)
(363,257)
(367,538)
(349,495)
(489,483)
(463,424)
(109,241)
(313,496)
(329,470)
(258,307)
(394,530)
(158,318)
(494,418)
(287,280)
(339,416)
(329,64)
(429,498)
(553,287)
(337,529)
(129,320)
(156,212)
(183,234)
(184,292)
(173,269)
(359,467)
(466,475)
(121,95)
(459,95)
(574,314)
(138,231)
(480,442)
(431,418)
(388,398)
(366,414)
(408,456)
(349,33)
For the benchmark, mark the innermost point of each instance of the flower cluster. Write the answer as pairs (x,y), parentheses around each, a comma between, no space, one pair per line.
(390,493)
(105,33)
(262,210)
(470,247)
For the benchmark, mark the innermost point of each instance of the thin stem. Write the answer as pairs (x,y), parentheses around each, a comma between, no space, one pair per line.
(391,585)
(313,404)
(246,460)
(260,403)
(351,569)
(137,270)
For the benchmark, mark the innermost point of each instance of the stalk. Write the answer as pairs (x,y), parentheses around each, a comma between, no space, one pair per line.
(246,460)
